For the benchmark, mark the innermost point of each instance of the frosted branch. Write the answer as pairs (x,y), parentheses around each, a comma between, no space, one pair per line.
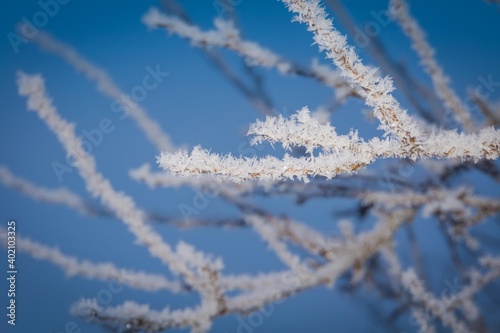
(225,35)
(396,272)
(303,235)
(411,283)
(98,271)
(342,186)
(333,78)
(302,130)
(228,36)
(60,196)
(137,317)
(457,205)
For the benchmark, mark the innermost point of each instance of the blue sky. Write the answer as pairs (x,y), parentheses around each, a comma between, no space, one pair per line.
(195,105)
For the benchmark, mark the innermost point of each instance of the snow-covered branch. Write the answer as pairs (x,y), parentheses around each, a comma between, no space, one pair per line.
(99,271)
(59,196)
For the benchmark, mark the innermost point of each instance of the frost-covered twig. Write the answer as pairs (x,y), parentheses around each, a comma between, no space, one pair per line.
(399,8)
(255,93)
(477,281)
(435,200)
(395,271)
(136,279)
(270,235)
(490,111)
(442,309)
(458,206)
(100,271)
(351,255)
(412,284)
(105,84)
(302,130)
(137,317)
(59,196)
(358,250)
(270,168)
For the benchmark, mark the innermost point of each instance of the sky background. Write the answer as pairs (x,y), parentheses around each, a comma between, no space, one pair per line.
(195,105)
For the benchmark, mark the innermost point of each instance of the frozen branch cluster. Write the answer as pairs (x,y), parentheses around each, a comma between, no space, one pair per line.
(329,165)
(353,154)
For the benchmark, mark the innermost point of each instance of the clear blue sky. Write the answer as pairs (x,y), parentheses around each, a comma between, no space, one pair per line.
(195,105)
